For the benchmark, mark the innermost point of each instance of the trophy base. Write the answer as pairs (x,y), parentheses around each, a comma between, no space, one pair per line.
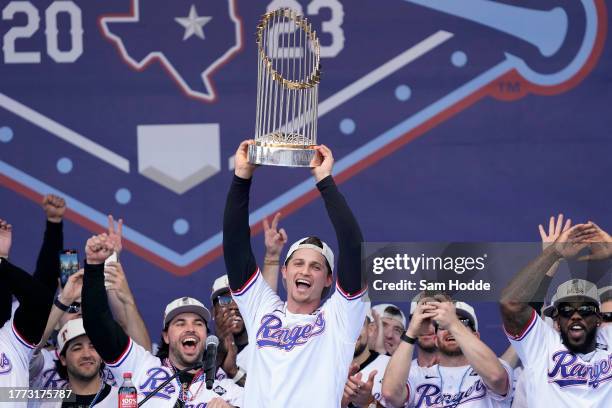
(271,155)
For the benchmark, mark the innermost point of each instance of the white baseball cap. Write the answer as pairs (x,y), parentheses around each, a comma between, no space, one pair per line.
(381,308)
(325,251)
(576,288)
(185,305)
(465,310)
(605,293)
(71,330)
(220,285)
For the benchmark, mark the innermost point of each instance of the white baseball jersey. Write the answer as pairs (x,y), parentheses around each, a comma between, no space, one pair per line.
(561,378)
(297,360)
(15,354)
(521,384)
(604,335)
(378,363)
(148,372)
(439,386)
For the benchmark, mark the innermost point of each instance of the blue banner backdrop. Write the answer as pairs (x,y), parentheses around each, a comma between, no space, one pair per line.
(449,121)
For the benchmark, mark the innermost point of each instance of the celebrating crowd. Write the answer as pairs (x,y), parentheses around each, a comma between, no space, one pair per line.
(323,346)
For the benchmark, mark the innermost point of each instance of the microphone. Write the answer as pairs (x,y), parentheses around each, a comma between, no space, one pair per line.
(210,361)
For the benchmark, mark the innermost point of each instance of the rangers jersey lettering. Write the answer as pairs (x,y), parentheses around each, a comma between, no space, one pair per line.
(561,377)
(298,360)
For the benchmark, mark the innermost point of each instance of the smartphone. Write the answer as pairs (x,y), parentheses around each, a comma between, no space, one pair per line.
(69,264)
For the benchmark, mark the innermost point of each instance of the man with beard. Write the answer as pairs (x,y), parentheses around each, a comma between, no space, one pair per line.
(570,369)
(184,332)
(80,365)
(393,324)
(468,372)
(427,352)
(364,388)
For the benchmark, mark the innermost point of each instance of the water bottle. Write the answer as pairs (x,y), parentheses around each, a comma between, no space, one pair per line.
(128,397)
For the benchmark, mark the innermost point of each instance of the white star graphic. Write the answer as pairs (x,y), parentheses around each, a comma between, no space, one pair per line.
(193,23)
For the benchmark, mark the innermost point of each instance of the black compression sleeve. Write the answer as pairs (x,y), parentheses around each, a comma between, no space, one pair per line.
(348,235)
(540,296)
(6,304)
(108,338)
(34,301)
(48,264)
(239,259)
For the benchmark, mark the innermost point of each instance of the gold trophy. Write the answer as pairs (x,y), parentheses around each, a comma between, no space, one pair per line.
(288,76)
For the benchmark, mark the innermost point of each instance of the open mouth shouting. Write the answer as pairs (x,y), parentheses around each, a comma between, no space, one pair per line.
(576,331)
(303,284)
(189,344)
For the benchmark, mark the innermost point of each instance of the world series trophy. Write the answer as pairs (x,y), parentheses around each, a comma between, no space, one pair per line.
(287,90)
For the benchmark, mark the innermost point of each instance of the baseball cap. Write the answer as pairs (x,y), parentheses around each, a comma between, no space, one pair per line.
(71,330)
(325,251)
(185,305)
(382,311)
(549,309)
(220,285)
(605,294)
(576,288)
(465,310)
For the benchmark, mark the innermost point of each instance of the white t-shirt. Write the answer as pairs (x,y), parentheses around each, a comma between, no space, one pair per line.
(379,364)
(148,372)
(438,386)
(15,353)
(297,360)
(562,379)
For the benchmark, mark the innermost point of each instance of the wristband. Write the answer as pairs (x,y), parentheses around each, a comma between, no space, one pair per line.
(407,339)
(60,305)
(239,375)
(271,261)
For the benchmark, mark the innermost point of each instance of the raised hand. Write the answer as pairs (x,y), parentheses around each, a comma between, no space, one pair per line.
(242,167)
(6,238)
(98,248)
(421,321)
(275,239)
(322,163)
(72,290)
(115,235)
(54,207)
(218,403)
(555,228)
(229,362)
(115,280)
(573,240)
(600,244)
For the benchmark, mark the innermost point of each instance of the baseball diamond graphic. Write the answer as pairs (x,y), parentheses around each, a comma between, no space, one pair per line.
(90,112)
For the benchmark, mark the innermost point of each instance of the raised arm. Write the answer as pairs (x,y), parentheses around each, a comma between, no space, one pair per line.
(347,229)
(482,359)
(48,264)
(396,375)
(522,289)
(107,336)
(237,252)
(34,299)
(123,305)
(274,239)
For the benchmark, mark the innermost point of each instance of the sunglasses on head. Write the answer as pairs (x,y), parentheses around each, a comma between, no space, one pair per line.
(584,310)
(607,317)
(224,300)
